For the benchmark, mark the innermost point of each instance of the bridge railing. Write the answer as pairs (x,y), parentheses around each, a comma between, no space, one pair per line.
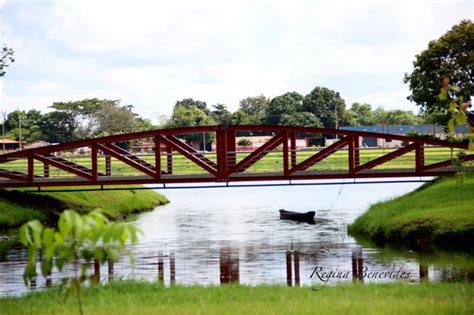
(282,154)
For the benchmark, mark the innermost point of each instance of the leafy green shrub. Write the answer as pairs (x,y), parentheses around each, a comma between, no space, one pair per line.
(244,142)
(78,238)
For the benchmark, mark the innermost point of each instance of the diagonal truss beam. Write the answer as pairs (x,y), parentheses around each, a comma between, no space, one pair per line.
(386,158)
(191,150)
(125,159)
(65,165)
(446,163)
(321,155)
(190,153)
(259,153)
(13,175)
(131,156)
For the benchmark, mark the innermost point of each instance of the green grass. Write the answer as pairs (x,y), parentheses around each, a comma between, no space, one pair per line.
(148,298)
(18,206)
(13,214)
(438,213)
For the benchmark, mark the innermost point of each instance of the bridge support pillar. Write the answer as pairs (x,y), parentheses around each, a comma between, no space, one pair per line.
(292,136)
(356,151)
(94,152)
(231,147)
(354,158)
(31,169)
(221,150)
(285,154)
(108,165)
(45,170)
(157,158)
(420,157)
(169,159)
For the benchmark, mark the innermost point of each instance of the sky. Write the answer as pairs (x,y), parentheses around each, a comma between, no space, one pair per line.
(152,53)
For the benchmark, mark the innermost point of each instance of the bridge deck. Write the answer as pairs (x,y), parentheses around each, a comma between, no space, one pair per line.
(208,178)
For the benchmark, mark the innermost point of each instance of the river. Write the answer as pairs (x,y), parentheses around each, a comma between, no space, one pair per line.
(213,236)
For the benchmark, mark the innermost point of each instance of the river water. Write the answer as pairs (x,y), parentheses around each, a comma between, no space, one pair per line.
(214,236)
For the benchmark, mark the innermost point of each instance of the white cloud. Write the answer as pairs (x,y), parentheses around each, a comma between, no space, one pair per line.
(152,53)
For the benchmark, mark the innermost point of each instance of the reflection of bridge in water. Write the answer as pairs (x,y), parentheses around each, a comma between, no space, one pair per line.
(229,270)
(108,163)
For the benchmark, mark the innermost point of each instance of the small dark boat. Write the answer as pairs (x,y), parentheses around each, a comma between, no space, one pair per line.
(298,216)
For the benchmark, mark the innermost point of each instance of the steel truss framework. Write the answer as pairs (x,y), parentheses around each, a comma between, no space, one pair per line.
(226,168)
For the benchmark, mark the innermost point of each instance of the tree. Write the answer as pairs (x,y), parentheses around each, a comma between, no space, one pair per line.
(395,117)
(30,125)
(452,56)
(240,117)
(112,119)
(184,116)
(300,119)
(90,118)
(6,58)
(361,115)
(401,117)
(189,102)
(327,105)
(288,103)
(254,107)
(221,115)
(57,127)
(145,124)
(78,115)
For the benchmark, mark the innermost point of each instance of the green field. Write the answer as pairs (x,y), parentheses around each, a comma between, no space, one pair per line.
(125,297)
(272,162)
(18,207)
(440,213)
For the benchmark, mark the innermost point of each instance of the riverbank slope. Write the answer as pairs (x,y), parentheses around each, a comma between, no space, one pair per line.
(19,206)
(124,297)
(439,213)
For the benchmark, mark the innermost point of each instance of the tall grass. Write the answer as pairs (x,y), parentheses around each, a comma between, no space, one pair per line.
(18,206)
(438,212)
(149,298)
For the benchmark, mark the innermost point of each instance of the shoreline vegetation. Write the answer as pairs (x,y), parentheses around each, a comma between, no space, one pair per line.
(138,297)
(438,214)
(20,206)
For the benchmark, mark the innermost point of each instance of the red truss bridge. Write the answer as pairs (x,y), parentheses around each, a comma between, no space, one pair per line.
(283,153)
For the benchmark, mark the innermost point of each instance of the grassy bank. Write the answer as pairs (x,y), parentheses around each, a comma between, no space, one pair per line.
(438,213)
(18,207)
(146,298)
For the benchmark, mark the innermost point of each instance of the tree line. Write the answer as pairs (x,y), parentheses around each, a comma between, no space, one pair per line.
(70,121)
(90,118)
(322,107)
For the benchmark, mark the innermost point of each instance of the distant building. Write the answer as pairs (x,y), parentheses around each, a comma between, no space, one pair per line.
(143,147)
(10,145)
(36,144)
(402,130)
(258,141)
